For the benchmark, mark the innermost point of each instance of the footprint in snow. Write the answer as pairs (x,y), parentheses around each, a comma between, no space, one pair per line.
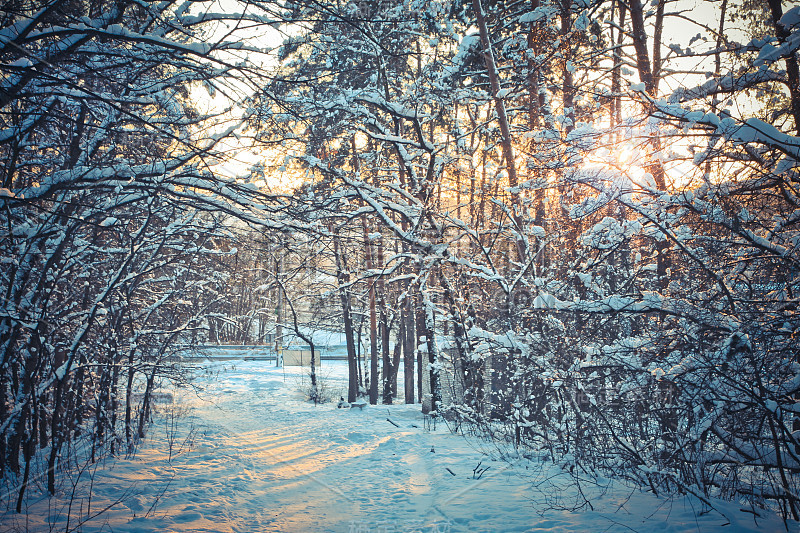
(356,437)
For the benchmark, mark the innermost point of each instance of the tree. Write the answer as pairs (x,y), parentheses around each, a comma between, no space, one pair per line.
(614,281)
(106,177)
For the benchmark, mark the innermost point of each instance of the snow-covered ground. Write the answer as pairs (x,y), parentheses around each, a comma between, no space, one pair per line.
(260,459)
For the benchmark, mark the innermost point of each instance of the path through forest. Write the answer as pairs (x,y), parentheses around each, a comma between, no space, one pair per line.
(261,459)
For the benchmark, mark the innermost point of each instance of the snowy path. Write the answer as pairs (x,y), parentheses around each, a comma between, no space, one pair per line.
(262,460)
(265,461)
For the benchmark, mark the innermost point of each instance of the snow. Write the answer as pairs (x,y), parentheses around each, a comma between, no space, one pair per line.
(260,458)
(468,43)
(22,62)
(769,53)
(791,18)
(537,15)
(546,301)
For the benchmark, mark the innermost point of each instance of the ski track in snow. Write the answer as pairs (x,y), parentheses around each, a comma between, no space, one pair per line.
(264,460)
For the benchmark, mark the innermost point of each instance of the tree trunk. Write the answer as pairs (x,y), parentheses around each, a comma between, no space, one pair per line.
(129,401)
(792,68)
(407,339)
(616,73)
(502,119)
(342,278)
(568,85)
(650,77)
(373,328)
(419,334)
(388,370)
(279,318)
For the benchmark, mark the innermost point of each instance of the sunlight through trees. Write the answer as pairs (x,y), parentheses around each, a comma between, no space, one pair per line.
(574,223)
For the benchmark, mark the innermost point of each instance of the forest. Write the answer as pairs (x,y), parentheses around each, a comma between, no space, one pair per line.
(575,224)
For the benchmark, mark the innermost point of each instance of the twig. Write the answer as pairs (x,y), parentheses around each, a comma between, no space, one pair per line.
(477,472)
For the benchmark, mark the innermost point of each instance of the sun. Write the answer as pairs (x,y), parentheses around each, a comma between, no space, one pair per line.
(622,164)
